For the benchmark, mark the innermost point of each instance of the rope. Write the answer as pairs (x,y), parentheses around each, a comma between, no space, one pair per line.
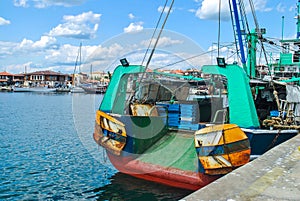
(182,60)
(258,31)
(152,37)
(219,28)
(158,37)
(152,52)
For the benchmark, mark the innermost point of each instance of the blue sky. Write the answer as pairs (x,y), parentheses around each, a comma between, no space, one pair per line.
(45,34)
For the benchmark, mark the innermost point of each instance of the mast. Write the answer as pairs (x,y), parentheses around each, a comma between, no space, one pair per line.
(289,59)
(78,55)
(252,39)
(91,72)
(238,32)
(244,37)
(298,19)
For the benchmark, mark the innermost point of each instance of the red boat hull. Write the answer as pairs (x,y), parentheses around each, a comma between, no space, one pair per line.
(164,175)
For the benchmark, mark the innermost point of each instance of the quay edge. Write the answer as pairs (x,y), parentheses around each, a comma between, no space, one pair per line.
(273,176)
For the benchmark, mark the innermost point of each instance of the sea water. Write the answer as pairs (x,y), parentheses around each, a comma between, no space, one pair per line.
(47,152)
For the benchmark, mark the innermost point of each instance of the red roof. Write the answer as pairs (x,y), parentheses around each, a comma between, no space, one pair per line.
(45,72)
(4,73)
(19,75)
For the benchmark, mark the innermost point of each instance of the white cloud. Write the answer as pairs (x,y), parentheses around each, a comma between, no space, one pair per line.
(261,5)
(131,16)
(65,54)
(82,26)
(47,3)
(26,48)
(65,3)
(161,8)
(26,44)
(192,10)
(163,42)
(134,27)
(87,17)
(223,49)
(45,54)
(20,3)
(209,9)
(99,56)
(14,56)
(280,8)
(18,68)
(4,21)
(6,48)
(291,8)
(44,42)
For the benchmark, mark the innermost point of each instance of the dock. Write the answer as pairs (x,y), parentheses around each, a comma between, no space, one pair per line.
(273,176)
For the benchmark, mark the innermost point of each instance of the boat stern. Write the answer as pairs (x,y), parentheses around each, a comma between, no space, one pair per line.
(221,148)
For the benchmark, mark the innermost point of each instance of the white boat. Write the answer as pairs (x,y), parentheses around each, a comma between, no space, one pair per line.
(34,89)
(94,89)
(77,90)
(63,90)
(6,88)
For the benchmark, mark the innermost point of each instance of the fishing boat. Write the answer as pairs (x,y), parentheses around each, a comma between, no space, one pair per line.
(154,127)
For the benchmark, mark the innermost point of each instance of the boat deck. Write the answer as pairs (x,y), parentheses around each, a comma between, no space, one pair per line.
(169,152)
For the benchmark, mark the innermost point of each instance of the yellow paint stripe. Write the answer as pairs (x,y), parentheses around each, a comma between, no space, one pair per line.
(110,118)
(109,123)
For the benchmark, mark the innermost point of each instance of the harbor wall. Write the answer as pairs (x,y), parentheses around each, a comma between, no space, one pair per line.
(273,176)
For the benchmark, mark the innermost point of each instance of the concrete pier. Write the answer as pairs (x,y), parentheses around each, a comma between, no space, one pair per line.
(273,176)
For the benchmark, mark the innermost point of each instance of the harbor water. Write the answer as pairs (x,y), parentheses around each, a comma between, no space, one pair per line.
(47,152)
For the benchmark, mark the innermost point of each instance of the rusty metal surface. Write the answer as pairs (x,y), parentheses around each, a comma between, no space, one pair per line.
(222,148)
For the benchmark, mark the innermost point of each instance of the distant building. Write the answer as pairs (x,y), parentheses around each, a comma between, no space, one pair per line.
(18,78)
(101,77)
(6,78)
(47,78)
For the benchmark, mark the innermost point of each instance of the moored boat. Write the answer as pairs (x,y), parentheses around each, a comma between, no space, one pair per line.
(63,90)
(76,89)
(94,89)
(6,88)
(153,126)
(34,89)
(154,137)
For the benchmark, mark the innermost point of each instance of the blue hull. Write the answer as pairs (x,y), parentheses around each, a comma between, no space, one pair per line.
(262,140)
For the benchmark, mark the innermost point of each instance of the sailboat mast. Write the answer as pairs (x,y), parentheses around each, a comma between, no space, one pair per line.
(91,72)
(298,19)
(79,57)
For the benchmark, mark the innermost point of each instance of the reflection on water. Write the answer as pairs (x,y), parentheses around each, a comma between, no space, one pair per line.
(47,152)
(125,187)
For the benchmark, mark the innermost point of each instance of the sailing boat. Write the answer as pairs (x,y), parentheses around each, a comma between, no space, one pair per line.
(75,87)
(95,88)
(152,127)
